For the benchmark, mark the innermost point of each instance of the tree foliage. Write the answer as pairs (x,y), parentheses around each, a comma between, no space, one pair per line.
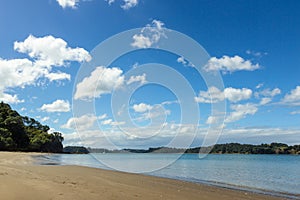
(18,133)
(229,148)
(236,148)
(76,150)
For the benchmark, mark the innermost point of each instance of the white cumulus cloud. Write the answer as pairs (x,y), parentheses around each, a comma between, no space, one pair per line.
(68,3)
(19,73)
(129,4)
(149,35)
(214,95)
(292,98)
(230,64)
(49,51)
(141,41)
(142,107)
(45,53)
(57,106)
(101,81)
(236,95)
(83,122)
(58,76)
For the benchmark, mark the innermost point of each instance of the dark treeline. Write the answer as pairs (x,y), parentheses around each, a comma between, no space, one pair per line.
(18,133)
(150,150)
(229,148)
(75,150)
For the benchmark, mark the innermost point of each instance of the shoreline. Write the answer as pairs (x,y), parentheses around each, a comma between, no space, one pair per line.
(224,185)
(79,182)
(236,187)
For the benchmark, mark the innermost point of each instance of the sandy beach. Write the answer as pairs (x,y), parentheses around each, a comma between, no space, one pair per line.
(20,179)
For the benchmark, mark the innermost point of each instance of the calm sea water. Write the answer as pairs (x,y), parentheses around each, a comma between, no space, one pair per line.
(278,174)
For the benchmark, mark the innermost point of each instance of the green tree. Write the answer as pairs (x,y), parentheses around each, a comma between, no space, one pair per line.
(25,133)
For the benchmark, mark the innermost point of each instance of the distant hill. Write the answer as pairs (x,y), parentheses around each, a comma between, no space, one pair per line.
(236,148)
(229,148)
(19,133)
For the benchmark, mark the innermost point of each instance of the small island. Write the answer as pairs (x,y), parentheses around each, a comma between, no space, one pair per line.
(75,150)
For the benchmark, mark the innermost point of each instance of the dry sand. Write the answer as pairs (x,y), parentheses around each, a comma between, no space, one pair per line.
(20,179)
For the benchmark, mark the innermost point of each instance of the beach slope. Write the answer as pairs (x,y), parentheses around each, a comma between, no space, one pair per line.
(20,179)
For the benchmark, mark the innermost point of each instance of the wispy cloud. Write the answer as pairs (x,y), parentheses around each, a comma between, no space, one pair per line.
(267,95)
(257,54)
(295,112)
(184,62)
(240,111)
(110,122)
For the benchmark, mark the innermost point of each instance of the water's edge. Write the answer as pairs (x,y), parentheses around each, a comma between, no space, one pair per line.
(50,159)
(237,187)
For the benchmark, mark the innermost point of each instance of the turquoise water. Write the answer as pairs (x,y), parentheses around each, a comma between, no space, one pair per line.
(278,174)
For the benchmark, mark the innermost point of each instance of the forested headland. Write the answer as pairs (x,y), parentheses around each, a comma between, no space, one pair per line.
(22,133)
(236,148)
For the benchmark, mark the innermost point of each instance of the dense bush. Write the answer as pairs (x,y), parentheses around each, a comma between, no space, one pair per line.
(18,133)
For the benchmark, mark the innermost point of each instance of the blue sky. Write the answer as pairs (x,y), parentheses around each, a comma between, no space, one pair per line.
(51,69)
